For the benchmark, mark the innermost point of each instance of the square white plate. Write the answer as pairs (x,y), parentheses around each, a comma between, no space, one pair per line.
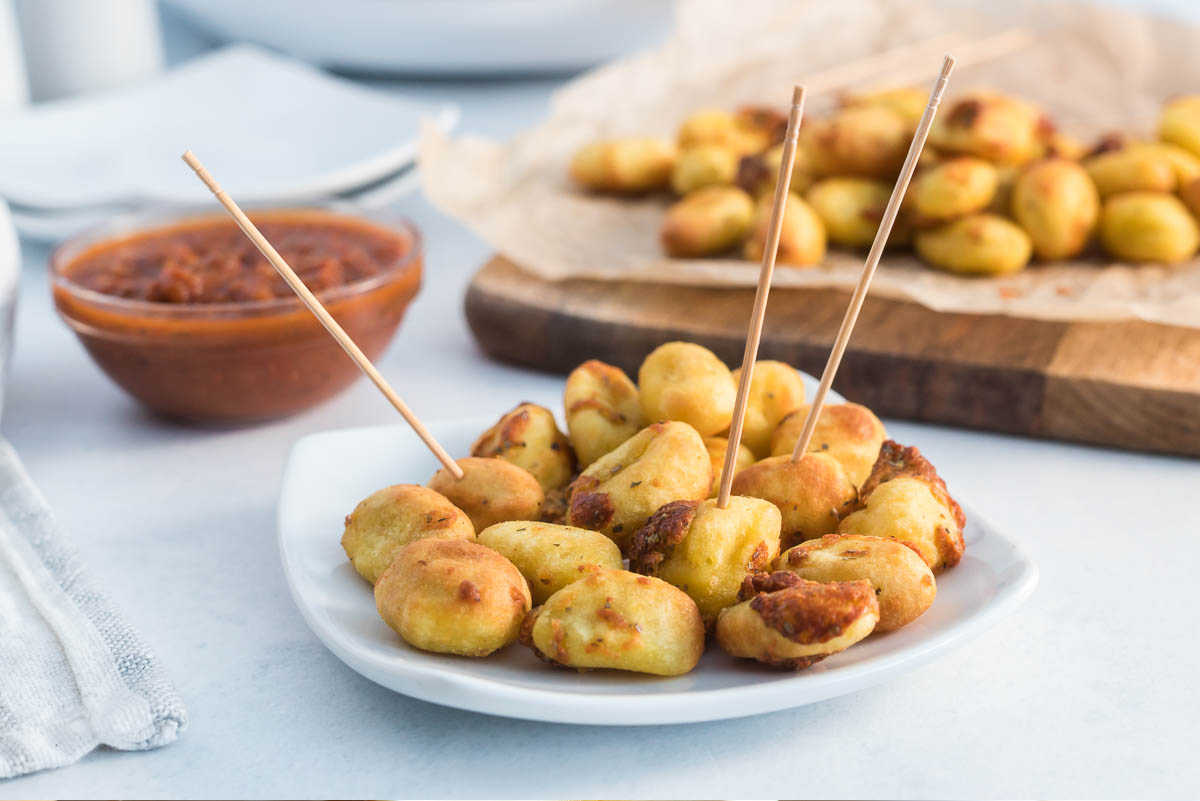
(328,473)
(271,130)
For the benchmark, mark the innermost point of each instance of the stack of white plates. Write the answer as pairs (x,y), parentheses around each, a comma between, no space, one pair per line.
(272,130)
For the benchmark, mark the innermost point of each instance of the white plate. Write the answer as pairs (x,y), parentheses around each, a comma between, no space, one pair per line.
(271,129)
(328,473)
(441,36)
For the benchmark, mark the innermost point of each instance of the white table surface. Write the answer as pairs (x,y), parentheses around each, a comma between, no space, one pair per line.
(1088,691)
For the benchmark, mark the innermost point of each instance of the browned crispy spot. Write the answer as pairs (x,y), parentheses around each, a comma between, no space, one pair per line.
(614,618)
(468,592)
(764,118)
(559,636)
(603,409)
(810,612)
(507,433)
(753,173)
(554,506)
(964,113)
(757,583)
(796,663)
(592,510)
(758,559)
(525,634)
(896,461)
(666,528)
(1108,143)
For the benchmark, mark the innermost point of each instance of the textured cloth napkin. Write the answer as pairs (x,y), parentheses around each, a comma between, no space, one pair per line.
(73,675)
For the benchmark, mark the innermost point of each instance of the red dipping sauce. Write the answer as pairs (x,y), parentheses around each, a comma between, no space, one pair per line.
(190,319)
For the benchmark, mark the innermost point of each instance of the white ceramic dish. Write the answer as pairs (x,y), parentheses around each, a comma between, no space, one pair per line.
(441,36)
(328,473)
(271,129)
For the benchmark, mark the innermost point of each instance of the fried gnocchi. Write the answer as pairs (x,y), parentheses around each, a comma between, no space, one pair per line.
(624,166)
(717,446)
(953,188)
(869,141)
(616,494)
(991,126)
(551,556)
(387,520)
(750,130)
(906,500)
(618,620)
(850,208)
(528,437)
(849,432)
(1180,123)
(789,623)
(702,166)
(452,597)
(687,382)
(602,409)
(978,244)
(490,491)
(1057,204)
(1148,226)
(801,234)
(776,390)
(705,550)
(811,493)
(904,584)
(707,221)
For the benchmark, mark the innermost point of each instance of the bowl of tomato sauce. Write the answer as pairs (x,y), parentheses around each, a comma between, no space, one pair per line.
(185,314)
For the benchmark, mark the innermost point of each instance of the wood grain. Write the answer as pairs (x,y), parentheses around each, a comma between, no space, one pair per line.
(1131,385)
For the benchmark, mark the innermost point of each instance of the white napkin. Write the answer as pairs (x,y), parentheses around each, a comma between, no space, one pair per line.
(73,675)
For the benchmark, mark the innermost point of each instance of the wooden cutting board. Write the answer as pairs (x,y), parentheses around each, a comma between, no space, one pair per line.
(1130,384)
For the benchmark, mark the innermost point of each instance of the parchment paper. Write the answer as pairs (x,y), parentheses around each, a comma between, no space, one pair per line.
(1094,69)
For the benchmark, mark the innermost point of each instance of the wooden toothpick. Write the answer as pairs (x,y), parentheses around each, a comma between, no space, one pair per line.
(754,332)
(322,314)
(864,281)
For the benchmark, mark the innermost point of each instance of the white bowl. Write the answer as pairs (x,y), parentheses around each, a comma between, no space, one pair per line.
(328,473)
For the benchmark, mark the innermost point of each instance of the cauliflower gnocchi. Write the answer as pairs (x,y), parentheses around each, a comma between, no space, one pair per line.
(906,500)
(849,432)
(387,520)
(702,166)
(618,620)
(490,491)
(529,438)
(953,188)
(1180,123)
(551,556)
(904,584)
(624,166)
(687,382)
(452,597)
(1148,226)
(663,462)
(602,409)
(705,550)
(801,234)
(978,244)
(850,208)
(776,390)
(716,453)
(1057,204)
(991,126)
(707,221)
(789,623)
(868,140)
(750,130)
(811,493)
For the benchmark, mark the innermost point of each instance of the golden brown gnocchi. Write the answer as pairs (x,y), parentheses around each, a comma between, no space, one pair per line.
(1057,204)
(663,462)
(702,166)
(618,620)
(953,188)
(869,141)
(1179,123)
(551,556)
(707,221)
(490,491)
(624,166)
(1148,226)
(907,101)
(687,382)
(904,584)
(716,453)
(849,432)
(850,208)
(978,244)
(387,520)
(991,126)
(1130,169)
(789,623)
(452,597)
(812,493)
(602,409)
(705,550)
(750,130)
(529,438)
(906,500)
(801,234)
(776,390)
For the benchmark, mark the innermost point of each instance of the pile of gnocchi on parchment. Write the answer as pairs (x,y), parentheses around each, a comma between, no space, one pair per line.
(604,547)
(997,183)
